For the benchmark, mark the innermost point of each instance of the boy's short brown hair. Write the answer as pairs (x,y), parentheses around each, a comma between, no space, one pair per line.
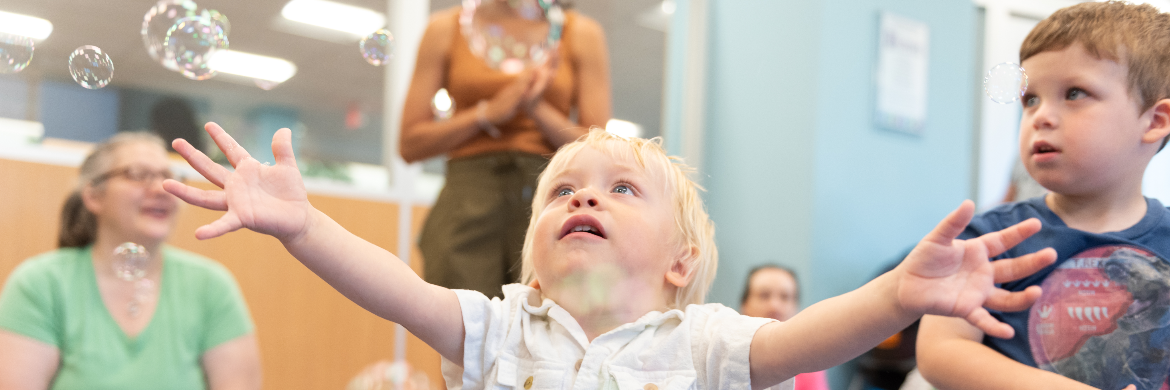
(1136,35)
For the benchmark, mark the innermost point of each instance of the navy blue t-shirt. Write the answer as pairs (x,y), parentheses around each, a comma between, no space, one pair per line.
(1104,316)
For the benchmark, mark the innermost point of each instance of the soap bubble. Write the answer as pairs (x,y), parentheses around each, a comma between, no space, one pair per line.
(265,84)
(90,67)
(442,105)
(1005,83)
(387,375)
(130,261)
(15,52)
(191,42)
(218,19)
(378,47)
(155,24)
(514,35)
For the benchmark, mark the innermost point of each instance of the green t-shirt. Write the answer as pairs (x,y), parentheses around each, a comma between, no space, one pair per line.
(54,298)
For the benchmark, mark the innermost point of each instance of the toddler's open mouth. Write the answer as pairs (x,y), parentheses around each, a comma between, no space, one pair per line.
(584,224)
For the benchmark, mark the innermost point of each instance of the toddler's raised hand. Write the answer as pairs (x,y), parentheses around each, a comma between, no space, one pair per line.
(951,277)
(266,199)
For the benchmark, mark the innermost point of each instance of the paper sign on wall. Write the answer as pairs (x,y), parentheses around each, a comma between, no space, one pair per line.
(902,72)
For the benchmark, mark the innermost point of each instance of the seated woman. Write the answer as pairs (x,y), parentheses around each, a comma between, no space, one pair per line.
(69,321)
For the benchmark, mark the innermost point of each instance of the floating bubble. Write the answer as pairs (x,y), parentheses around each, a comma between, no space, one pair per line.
(387,375)
(155,24)
(191,42)
(218,19)
(514,35)
(90,67)
(16,51)
(130,261)
(1005,83)
(265,84)
(378,47)
(442,105)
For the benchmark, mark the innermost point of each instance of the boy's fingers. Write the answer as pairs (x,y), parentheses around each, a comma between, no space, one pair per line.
(226,224)
(282,148)
(998,242)
(214,200)
(213,172)
(1014,269)
(234,152)
(1002,300)
(954,223)
(989,325)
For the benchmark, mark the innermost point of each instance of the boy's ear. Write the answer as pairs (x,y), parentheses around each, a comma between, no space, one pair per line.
(1159,123)
(683,267)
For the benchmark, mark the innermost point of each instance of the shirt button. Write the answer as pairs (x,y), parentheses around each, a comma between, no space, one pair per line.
(650,386)
(578,366)
(528,383)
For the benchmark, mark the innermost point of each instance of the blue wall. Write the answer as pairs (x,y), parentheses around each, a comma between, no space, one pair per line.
(760,122)
(878,192)
(72,112)
(796,170)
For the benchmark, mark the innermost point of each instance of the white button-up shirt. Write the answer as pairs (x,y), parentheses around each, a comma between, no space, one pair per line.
(512,344)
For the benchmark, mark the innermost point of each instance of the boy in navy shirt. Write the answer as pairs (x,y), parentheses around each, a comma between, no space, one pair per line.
(1096,110)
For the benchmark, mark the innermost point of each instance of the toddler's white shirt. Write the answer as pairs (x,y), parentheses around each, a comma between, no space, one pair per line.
(511,344)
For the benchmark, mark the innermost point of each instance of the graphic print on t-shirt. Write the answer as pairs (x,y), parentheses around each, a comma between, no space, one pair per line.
(1104,319)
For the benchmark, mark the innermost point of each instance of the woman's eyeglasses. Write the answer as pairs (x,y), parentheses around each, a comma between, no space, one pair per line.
(137,174)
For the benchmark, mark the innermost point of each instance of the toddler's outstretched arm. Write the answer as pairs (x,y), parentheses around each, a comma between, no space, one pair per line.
(942,275)
(272,200)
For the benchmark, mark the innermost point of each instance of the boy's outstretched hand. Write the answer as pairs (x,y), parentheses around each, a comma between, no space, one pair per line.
(951,277)
(266,199)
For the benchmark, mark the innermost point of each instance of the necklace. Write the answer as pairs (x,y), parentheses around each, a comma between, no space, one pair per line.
(129,263)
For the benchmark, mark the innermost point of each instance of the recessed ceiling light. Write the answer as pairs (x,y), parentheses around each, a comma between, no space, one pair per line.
(346,18)
(253,66)
(29,26)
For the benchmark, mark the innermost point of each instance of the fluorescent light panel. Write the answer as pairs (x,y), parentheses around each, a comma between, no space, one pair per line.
(254,66)
(357,21)
(29,26)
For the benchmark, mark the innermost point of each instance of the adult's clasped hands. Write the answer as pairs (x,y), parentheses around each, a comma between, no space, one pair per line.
(523,94)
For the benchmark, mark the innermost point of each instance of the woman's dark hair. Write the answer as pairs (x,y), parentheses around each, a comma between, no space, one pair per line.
(79,225)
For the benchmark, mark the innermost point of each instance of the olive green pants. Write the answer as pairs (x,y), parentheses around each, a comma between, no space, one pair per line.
(474,233)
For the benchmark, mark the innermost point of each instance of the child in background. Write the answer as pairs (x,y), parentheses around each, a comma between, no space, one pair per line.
(617,261)
(1096,110)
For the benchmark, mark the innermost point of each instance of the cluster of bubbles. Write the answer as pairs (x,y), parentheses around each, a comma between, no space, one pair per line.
(378,47)
(130,261)
(514,35)
(16,51)
(88,65)
(1005,83)
(183,38)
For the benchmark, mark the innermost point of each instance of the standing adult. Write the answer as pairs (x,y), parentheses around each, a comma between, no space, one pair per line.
(772,292)
(68,319)
(497,140)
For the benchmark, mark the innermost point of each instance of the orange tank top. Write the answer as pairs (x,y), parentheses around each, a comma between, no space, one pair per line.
(469,80)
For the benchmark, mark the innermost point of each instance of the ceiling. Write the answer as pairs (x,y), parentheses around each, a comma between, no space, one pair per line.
(330,75)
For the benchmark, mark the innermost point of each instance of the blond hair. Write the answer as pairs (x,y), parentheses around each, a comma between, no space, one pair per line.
(694,227)
(1135,35)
